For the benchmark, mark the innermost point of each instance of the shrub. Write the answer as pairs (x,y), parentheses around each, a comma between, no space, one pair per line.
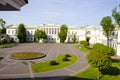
(66,59)
(67,55)
(10,40)
(3,41)
(53,62)
(108,50)
(84,43)
(98,46)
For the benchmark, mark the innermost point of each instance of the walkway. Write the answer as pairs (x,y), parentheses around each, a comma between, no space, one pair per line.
(20,69)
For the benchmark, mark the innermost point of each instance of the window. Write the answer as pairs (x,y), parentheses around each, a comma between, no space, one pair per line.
(8,31)
(12,31)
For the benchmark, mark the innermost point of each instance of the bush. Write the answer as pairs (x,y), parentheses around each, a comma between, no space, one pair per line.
(98,46)
(66,59)
(108,50)
(10,40)
(84,43)
(67,55)
(53,62)
(3,41)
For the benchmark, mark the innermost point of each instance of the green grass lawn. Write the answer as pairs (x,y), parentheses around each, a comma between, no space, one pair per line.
(45,66)
(7,45)
(83,49)
(91,74)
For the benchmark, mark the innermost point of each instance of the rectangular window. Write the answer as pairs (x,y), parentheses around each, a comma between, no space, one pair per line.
(12,31)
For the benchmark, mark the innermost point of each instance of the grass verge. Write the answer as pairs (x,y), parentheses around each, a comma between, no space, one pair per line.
(45,66)
(83,49)
(7,45)
(91,74)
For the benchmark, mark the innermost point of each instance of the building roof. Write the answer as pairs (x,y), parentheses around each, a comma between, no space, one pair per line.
(12,5)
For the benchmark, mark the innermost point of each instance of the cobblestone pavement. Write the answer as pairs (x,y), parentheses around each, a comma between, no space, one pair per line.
(11,69)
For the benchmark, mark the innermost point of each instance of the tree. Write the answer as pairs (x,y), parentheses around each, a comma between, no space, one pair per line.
(63,33)
(39,34)
(108,27)
(2,24)
(116,15)
(99,59)
(21,33)
(74,38)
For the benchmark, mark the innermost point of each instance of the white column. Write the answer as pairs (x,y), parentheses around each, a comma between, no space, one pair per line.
(118,44)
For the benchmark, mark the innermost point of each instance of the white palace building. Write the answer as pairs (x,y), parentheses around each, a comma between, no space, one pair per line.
(87,32)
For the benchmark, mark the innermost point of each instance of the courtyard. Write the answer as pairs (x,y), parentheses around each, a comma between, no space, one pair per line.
(11,69)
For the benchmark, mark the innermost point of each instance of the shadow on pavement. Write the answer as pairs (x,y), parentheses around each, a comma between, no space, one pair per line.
(50,78)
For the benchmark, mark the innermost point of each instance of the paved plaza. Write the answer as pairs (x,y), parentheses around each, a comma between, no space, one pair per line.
(11,69)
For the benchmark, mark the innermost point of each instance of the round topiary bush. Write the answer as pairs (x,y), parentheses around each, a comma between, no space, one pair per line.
(53,62)
(67,55)
(66,59)
(27,55)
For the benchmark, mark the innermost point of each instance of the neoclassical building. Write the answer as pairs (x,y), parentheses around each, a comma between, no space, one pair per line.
(87,32)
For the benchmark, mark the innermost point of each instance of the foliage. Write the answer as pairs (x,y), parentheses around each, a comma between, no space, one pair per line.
(108,50)
(65,59)
(2,24)
(53,62)
(84,43)
(116,15)
(45,66)
(67,55)
(108,27)
(99,59)
(39,34)
(63,33)
(91,73)
(27,55)
(74,38)
(98,45)
(3,40)
(10,40)
(7,45)
(3,30)
(21,33)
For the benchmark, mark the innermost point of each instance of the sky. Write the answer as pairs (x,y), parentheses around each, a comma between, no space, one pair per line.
(69,12)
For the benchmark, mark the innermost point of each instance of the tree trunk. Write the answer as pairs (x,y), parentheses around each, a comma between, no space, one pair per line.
(107,41)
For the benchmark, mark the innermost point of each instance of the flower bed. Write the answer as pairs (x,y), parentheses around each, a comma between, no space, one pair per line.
(27,55)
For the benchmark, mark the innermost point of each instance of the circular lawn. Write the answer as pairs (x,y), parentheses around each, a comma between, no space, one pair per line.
(27,55)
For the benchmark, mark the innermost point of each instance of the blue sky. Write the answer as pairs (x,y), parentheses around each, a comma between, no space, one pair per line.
(69,12)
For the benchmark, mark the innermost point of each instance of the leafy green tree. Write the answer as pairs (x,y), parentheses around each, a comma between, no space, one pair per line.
(99,59)
(2,24)
(116,15)
(63,33)
(108,27)
(21,33)
(39,34)
(74,38)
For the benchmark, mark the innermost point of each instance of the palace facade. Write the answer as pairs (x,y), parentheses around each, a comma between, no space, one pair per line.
(87,32)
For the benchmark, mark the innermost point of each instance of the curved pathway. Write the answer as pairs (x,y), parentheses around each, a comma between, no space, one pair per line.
(21,69)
